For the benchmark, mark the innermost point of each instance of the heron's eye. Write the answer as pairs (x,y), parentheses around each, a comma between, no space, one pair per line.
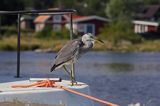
(91,36)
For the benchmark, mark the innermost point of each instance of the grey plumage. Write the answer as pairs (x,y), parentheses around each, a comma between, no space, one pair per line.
(70,53)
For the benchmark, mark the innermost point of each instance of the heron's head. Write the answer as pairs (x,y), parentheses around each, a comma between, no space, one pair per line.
(90,38)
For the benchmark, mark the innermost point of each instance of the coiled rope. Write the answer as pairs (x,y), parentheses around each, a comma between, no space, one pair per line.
(51,83)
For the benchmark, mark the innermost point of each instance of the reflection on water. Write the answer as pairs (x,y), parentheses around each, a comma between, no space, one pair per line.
(122,78)
(120,67)
(19,103)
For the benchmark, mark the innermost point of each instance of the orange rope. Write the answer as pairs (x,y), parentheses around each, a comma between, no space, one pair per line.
(88,96)
(51,83)
(44,83)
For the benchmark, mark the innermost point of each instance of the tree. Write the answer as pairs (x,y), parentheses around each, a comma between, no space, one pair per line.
(95,7)
(85,7)
(150,2)
(120,28)
(118,8)
(10,5)
(43,4)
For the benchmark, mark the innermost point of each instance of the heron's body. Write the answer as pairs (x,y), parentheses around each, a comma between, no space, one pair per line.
(70,52)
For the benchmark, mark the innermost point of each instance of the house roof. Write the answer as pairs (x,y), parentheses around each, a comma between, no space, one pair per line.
(146,23)
(148,12)
(152,11)
(76,18)
(41,19)
(86,18)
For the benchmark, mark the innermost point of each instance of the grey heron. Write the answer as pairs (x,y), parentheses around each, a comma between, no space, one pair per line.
(70,53)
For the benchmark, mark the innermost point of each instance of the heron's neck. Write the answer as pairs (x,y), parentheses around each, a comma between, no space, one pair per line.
(88,45)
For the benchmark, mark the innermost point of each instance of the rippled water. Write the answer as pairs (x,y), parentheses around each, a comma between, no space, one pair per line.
(122,78)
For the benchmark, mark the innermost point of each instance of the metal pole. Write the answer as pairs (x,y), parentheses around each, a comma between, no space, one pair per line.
(71,37)
(0,25)
(38,12)
(18,47)
(71,27)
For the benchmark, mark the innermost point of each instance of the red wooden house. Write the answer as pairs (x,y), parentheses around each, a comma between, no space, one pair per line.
(81,24)
(145,26)
(147,21)
(90,24)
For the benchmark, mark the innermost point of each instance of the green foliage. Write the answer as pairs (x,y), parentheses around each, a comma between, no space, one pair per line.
(118,8)
(8,47)
(149,2)
(120,30)
(84,7)
(8,30)
(42,4)
(45,33)
(48,32)
(62,34)
(12,31)
(92,7)
(112,8)
(10,5)
(27,46)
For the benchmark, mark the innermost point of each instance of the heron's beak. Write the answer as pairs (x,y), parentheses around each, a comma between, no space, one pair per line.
(98,40)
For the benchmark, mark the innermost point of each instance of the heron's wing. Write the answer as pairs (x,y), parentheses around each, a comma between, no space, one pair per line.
(68,52)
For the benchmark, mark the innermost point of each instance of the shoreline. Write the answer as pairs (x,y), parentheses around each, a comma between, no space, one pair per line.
(51,51)
(29,43)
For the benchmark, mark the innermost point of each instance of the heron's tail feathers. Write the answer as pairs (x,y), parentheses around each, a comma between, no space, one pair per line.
(53,67)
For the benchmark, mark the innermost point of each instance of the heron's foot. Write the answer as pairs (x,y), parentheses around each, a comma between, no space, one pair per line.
(74,83)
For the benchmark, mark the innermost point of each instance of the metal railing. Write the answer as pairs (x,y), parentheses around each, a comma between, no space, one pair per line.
(36,12)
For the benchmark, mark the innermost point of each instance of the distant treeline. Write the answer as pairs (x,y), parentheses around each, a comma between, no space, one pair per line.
(84,7)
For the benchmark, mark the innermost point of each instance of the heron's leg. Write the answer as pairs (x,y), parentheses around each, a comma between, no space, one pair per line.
(66,70)
(73,74)
(69,73)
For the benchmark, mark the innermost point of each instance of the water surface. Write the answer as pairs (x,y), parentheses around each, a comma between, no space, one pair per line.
(121,78)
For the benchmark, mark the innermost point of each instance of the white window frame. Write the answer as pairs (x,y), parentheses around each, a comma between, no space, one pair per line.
(84,30)
(93,28)
(57,18)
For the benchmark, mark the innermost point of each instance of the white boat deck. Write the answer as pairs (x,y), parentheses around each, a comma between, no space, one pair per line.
(44,95)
